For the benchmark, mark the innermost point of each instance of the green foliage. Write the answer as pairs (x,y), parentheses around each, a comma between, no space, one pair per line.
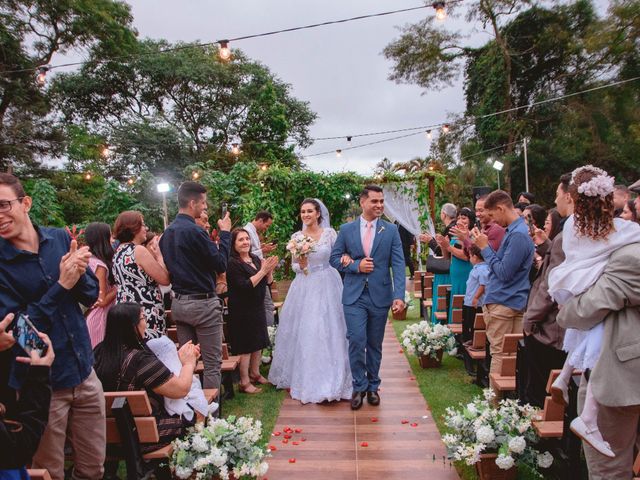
(45,210)
(115,199)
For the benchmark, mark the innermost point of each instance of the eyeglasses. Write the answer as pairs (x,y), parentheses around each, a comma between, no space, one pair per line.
(5,205)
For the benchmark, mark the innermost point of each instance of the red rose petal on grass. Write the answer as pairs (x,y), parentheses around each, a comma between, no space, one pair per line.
(364,444)
(404,422)
(295,443)
(285,441)
(292,460)
(298,430)
(273,448)
(374,419)
(277,434)
(287,436)
(414,424)
(400,351)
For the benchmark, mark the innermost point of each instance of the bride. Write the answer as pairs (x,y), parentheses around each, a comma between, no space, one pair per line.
(311,350)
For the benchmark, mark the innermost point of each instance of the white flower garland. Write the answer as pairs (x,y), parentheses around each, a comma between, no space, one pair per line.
(600,185)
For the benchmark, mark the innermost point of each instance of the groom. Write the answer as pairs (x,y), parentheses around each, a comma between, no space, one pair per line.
(372,247)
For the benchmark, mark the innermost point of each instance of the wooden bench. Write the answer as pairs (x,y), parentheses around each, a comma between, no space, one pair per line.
(456,314)
(552,423)
(39,474)
(427,295)
(476,353)
(230,364)
(504,381)
(442,304)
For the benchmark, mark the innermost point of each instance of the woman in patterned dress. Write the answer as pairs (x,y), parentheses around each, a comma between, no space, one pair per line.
(138,270)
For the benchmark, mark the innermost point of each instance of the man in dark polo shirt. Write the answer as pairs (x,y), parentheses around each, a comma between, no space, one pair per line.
(193,261)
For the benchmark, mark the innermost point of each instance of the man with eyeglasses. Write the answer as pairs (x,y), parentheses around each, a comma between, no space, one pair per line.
(44,274)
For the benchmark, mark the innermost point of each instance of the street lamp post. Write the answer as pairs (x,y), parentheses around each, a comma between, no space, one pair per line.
(163,188)
(498,166)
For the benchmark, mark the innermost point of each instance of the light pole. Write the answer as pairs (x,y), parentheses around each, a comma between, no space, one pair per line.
(163,188)
(498,166)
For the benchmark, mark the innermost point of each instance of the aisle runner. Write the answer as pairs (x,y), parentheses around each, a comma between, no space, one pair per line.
(391,441)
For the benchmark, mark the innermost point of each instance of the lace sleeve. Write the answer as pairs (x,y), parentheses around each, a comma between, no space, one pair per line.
(332,236)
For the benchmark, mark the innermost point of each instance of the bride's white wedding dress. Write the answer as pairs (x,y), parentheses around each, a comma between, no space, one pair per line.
(311,356)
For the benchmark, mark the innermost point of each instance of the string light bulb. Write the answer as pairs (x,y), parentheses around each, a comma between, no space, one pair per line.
(349,139)
(131,181)
(105,151)
(41,75)
(263,167)
(445,128)
(235,149)
(195,175)
(429,136)
(338,153)
(441,12)
(224,52)
(87,176)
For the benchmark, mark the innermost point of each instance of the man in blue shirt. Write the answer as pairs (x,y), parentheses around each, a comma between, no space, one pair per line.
(44,274)
(193,261)
(508,288)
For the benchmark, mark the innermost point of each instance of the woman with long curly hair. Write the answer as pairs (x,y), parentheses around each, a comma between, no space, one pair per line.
(590,236)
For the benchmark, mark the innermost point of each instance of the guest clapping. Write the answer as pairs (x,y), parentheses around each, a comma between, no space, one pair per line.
(248,277)
(138,270)
(123,362)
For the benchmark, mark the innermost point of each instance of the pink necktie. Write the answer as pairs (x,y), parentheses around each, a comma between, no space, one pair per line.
(368,239)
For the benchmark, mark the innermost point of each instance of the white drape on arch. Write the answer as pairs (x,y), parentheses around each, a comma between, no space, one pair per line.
(401,204)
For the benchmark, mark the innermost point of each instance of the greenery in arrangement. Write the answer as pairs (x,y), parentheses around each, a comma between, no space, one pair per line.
(222,448)
(481,427)
(428,339)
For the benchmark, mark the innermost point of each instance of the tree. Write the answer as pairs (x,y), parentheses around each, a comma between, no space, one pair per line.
(45,210)
(31,32)
(169,106)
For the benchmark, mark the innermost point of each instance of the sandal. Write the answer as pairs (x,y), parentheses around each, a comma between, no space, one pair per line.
(259,379)
(248,388)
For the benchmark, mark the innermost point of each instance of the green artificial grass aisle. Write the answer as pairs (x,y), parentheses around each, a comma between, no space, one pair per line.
(442,387)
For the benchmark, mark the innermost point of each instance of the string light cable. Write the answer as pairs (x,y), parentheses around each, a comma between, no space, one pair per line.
(224,43)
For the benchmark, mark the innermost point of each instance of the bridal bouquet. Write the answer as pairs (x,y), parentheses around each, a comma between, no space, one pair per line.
(225,448)
(504,431)
(426,339)
(300,246)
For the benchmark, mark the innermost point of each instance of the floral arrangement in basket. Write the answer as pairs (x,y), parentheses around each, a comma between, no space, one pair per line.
(225,448)
(506,430)
(426,339)
(300,246)
(408,299)
(267,353)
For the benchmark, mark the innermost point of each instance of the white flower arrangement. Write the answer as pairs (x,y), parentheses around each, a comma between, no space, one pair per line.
(223,448)
(481,427)
(408,299)
(600,185)
(423,338)
(300,246)
(267,353)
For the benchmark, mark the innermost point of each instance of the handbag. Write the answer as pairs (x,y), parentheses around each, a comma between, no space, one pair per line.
(438,264)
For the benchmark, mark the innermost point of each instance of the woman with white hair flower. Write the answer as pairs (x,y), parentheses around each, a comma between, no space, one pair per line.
(590,236)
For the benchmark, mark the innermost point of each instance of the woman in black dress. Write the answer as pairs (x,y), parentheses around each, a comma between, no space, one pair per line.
(248,277)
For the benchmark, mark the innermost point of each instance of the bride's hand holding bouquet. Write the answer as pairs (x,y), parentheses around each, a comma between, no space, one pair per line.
(300,246)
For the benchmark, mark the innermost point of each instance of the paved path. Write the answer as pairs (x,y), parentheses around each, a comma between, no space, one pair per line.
(330,443)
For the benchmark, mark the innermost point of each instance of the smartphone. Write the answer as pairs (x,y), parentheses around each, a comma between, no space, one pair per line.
(225,208)
(26,336)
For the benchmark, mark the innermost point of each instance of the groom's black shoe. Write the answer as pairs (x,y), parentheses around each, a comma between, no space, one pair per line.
(373,398)
(356,400)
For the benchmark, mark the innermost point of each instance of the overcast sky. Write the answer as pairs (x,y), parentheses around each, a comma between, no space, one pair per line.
(339,69)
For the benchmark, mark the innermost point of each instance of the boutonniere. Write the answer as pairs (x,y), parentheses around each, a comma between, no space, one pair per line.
(381,229)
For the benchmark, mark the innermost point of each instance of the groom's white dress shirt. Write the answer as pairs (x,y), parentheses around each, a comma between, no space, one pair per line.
(363,229)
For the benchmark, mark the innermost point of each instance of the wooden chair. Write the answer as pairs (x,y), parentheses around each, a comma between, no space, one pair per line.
(455,326)
(476,352)
(39,474)
(552,423)
(505,379)
(275,293)
(172,333)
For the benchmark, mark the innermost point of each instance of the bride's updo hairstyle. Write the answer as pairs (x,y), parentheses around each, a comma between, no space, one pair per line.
(316,205)
(592,192)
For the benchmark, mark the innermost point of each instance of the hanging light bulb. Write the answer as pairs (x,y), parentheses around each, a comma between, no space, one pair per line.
(263,167)
(195,175)
(105,151)
(41,75)
(347,196)
(445,128)
(349,139)
(131,181)
(87,176)
(338,153)
(235,149)
(223,50)
(429,136)
(441,12)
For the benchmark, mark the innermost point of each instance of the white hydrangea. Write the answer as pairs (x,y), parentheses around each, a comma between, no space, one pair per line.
(545,460)
(472,408)
(485,434)
(450,439)
(488,394)
(183,472)
(505,462)
(199,444)
(517,444)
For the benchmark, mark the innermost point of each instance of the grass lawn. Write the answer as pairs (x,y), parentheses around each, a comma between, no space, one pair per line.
(442,387)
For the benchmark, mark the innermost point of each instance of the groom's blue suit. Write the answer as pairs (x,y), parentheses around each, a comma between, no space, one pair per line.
(366,297)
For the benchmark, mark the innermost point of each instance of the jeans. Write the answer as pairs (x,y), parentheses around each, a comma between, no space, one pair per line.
(201,322)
